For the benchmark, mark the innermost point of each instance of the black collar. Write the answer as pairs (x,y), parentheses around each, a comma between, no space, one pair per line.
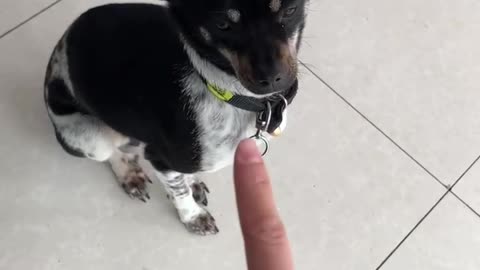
(272,105)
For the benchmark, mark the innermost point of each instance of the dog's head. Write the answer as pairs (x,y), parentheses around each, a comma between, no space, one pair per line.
(255,40)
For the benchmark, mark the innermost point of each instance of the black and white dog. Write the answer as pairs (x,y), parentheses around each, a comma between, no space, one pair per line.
(173,88)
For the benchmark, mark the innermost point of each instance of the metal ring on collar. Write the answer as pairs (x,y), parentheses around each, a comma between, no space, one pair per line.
(268,115)
(261,138)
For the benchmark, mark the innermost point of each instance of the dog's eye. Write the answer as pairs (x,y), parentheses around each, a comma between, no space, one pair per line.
(289,12)
(223,25)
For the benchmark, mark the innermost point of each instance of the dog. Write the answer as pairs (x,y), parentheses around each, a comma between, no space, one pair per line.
(172,88)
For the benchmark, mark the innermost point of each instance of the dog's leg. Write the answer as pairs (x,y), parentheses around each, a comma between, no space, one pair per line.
(196,218)
(199,189)
(130,175)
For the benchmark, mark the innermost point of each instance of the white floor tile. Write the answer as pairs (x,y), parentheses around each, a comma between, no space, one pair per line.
(13,12)
(449,239)
(346,193)
(411,67)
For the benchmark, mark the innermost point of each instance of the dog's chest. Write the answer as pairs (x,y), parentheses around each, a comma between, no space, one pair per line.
(220,128)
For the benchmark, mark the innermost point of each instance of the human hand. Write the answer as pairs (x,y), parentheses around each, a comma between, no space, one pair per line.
(265,238)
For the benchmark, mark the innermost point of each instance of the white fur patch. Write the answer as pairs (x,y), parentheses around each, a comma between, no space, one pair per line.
(163,3)
(188,209)
(221,126)
(88,134)
(234,15)
(185,204)
(275,5)
(206,35)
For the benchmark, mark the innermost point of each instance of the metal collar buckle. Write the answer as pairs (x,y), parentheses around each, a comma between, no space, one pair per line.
(262,123)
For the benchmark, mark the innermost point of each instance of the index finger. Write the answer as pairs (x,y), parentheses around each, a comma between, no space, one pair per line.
(266,243)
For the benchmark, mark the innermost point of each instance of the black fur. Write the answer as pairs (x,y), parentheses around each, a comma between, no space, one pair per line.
(255,38)
(59,100)
(126,63)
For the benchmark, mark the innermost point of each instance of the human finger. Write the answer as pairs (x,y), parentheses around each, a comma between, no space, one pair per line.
(266,242)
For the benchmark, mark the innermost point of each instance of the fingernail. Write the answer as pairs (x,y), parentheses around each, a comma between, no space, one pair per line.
(247,152)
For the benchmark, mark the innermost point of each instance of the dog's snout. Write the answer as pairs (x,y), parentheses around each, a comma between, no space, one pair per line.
(276,80)
(272,69)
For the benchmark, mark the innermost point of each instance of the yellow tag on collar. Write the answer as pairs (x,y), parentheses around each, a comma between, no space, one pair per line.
(221,94)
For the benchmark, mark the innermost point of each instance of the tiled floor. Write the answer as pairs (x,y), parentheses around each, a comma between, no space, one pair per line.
(376,171)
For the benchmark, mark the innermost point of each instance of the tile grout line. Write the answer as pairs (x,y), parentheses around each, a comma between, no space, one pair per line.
(412,230)
(463,174)
(373,124)
(448,187)
(29,19)
(449,191)
(465,203)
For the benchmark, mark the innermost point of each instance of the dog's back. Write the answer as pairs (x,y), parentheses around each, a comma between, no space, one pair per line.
(124,64)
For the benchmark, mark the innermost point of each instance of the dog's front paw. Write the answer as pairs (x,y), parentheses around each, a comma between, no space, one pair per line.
(135,185)
(203,224)
(200,190)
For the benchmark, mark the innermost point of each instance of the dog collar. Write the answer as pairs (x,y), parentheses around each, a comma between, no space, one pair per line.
(249,103)
(271,111)
(242,102)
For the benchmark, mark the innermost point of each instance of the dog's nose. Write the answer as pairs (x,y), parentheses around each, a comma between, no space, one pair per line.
(271,81)
(278,81)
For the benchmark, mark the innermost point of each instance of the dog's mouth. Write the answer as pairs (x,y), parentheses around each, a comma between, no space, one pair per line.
(265,72)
